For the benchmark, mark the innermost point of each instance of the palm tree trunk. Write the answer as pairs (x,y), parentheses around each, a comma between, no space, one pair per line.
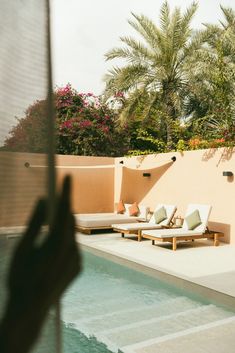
(169,135)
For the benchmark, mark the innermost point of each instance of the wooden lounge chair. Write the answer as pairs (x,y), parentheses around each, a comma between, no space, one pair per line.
(137,228)
(176,234)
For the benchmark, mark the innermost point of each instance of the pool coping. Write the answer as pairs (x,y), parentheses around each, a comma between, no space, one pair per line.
(194,288)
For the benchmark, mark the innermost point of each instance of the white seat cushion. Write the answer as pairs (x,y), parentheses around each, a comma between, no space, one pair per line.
(167,233)
(102,219)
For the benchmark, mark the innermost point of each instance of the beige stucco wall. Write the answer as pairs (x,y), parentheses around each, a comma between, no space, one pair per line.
(93,182)
(93,188)
(20,186)
(195,177)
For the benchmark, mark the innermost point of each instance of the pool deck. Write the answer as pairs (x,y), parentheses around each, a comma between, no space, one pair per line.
(206,269)
(199,262)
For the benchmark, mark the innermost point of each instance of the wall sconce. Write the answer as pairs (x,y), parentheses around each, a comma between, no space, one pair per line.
(146,174)
(173,158)
(121,162)
(228,174)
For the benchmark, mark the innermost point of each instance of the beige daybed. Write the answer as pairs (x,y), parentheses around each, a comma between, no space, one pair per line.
(95,221)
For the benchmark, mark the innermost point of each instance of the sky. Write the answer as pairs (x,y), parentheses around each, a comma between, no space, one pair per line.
(83,31)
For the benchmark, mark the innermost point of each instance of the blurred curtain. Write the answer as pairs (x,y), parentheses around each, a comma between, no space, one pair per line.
(25,129)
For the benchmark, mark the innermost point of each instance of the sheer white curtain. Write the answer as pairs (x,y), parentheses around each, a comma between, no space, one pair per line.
(26,129)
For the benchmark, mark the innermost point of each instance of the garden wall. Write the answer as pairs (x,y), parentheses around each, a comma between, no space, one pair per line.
(93,184)
(20,186)
(195,177)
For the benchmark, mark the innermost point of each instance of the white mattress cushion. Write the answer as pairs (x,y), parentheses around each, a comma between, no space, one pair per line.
(175,232)
(102,219)
(93,220)
(136,226)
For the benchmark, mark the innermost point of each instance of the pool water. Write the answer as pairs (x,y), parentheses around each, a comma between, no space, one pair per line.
(47,341)
(112,308)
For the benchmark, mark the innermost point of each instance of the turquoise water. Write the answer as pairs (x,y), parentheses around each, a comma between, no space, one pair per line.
(111,307)
(46,343)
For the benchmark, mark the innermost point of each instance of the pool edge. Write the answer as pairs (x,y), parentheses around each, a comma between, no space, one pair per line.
(195,288)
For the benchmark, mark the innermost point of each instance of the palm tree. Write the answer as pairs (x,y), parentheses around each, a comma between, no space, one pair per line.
(155,66)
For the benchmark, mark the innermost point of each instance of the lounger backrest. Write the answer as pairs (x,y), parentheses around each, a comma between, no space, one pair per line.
(204,211)
(170,211)
(143,211)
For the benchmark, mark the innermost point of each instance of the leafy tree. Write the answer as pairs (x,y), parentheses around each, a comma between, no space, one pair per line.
(30,134)
(156,67)
(84,126)
(211,101)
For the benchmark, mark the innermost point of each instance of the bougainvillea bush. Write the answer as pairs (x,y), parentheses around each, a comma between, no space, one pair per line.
(84,126)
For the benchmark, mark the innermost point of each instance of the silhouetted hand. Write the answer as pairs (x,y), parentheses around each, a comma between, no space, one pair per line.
(39,273)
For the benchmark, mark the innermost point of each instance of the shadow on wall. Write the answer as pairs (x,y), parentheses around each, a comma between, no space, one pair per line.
(221,227)
(226,154)
(135,186)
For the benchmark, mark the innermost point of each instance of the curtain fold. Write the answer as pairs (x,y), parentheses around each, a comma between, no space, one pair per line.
(26,130)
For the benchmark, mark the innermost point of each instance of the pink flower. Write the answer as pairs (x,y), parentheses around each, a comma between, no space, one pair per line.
(66,124)
(64,90)
(119,94)
(85,124)
(105,129)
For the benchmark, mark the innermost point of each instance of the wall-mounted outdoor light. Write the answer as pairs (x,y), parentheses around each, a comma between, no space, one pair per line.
(146,174)
(173,158)
(121,162)
(227,173)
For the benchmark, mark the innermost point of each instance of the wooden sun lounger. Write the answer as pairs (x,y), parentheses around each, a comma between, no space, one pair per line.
(209,234)
(137,228)
(199,231)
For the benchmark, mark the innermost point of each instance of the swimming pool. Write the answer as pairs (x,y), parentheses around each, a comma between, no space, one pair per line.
(113,308)
(47,341)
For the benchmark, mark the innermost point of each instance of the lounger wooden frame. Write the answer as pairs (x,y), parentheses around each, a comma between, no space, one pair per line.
(131,231)
(136,231)
(88,230)
(209,234)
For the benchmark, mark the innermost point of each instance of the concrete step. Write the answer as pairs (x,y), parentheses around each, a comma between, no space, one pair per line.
(89,306)
(130,316)
(215,337)
(161,326)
